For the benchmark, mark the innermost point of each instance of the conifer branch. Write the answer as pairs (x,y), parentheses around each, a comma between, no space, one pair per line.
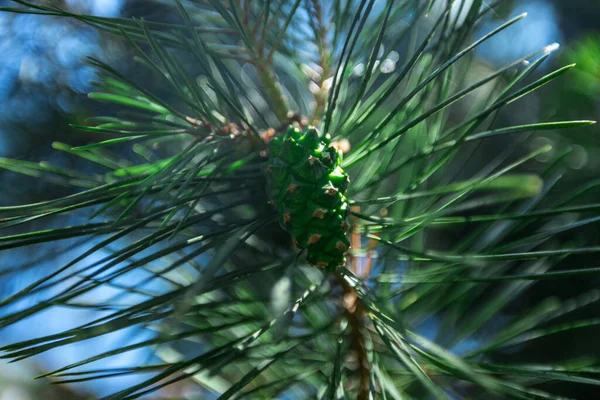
(262,61)
(192,213)
(320,29)
(272,88)
(355,312)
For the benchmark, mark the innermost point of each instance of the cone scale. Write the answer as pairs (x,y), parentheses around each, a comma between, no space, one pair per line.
(306,185)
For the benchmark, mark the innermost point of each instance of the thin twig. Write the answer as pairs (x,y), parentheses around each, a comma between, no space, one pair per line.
(355,311)
(321,30)
(263,65)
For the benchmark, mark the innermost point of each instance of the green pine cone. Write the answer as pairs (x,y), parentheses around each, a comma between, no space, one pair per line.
(306,184)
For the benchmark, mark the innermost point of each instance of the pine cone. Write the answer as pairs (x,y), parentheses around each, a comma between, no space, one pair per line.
(307,184)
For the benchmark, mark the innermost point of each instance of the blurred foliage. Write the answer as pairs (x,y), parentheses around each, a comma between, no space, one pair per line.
(586,80)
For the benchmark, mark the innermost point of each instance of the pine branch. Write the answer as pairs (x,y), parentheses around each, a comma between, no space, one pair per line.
(223,285)
(321,32)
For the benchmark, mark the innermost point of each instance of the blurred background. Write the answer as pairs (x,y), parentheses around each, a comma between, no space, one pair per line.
(44,79)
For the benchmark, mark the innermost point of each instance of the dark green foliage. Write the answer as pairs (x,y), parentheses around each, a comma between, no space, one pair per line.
(307,185)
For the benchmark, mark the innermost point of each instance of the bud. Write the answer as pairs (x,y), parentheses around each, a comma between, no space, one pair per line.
(307,183)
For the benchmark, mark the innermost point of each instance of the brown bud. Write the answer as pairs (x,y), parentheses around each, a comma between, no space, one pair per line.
(287,217)
(271,202)
(194,121)
(319,213)
(331,191)
(343,145)
(312,160)
(267,135)
(322,264)
(344,225)
(233,128)
(341,246)
(314,238)
(292,187)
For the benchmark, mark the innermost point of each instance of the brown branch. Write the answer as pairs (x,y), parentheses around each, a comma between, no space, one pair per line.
(263,66)
(230,129)
(272,89)
(355,313)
